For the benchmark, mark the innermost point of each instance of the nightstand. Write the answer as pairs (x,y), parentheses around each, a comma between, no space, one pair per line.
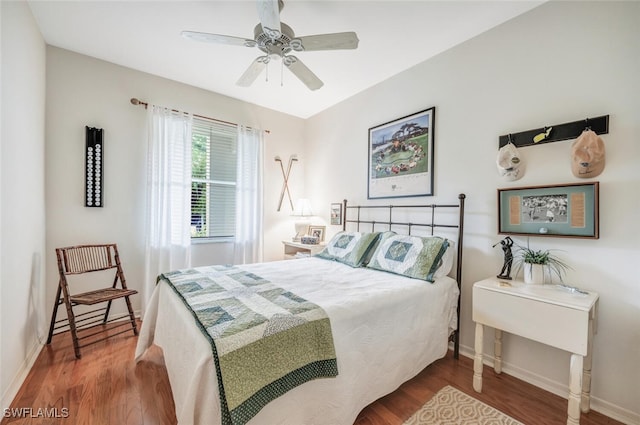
(544,313)
(300,250)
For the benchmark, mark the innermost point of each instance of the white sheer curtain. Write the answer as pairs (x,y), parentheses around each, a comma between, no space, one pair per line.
(168,209)
(249,196)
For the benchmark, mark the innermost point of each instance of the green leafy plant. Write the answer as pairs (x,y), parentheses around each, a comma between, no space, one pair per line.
(550,262)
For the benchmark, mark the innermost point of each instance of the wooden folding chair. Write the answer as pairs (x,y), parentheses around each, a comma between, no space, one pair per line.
(75,260)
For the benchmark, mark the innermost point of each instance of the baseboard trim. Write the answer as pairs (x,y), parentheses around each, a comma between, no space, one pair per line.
(560,389)
(21,375)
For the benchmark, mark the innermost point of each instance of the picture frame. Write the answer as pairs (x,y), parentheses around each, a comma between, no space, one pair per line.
(566,210)
(336,214)
(400,157)
(317,231)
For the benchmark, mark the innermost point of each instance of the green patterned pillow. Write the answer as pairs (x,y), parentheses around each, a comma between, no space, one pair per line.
(412,256)
(350,248)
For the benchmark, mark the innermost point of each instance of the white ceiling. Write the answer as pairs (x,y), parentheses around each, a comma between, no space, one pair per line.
(145,35)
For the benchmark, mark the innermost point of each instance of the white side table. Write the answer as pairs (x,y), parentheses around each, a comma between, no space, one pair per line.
(544,313)
(298,249)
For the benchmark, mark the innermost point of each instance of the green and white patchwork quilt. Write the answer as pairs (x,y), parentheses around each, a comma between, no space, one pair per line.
(265,340)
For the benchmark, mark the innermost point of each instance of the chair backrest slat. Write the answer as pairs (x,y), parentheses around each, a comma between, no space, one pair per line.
(87,258)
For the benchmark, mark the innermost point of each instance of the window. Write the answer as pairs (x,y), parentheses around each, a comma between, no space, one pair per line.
(213,179)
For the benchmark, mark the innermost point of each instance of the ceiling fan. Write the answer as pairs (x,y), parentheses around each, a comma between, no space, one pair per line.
(276,39)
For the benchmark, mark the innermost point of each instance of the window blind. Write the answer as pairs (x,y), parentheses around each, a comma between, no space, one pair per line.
(213,185)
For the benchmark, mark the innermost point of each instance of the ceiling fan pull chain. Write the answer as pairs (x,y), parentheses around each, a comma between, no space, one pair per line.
(266,77)
(281,73)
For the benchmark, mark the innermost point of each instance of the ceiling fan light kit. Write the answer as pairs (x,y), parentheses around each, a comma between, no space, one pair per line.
(277,40)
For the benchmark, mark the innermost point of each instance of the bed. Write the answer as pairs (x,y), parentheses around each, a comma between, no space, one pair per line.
(386,327)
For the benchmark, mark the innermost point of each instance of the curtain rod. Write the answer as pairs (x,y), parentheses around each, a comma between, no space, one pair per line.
(136,101)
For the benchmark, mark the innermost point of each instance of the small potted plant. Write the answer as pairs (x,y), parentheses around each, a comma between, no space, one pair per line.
(537,264)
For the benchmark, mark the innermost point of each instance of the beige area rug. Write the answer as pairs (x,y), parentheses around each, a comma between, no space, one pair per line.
(452,407)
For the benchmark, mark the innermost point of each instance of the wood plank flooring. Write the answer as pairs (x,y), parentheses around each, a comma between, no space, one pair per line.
(106,387)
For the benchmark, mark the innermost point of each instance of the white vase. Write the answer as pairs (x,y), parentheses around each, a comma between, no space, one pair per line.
(534,274)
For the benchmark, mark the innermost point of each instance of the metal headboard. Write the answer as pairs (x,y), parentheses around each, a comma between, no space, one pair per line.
(428,223)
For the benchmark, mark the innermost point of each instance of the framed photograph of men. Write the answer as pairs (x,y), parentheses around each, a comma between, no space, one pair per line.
(401,157)
(568,210)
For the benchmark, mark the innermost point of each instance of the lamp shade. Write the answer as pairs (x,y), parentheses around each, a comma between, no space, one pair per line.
(303,208)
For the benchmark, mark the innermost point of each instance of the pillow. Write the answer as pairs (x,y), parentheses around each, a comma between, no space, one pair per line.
(412,256)
(446,263)
(350,248)
(382,236)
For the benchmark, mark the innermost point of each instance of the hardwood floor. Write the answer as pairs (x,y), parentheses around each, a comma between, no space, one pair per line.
(106,387)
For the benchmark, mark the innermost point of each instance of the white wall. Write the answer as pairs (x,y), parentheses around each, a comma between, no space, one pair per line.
(83,91)
(561,62)
(22,206)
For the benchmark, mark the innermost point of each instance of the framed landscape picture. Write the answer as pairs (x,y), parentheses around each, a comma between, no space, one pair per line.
(401,157)
(568,210)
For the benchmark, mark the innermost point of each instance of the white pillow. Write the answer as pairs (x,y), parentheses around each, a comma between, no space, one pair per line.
(446,261)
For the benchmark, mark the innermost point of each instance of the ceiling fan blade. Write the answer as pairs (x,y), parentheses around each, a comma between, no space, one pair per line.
(303,73)
(269,13)
(217,38)
(253,71)
(335,41)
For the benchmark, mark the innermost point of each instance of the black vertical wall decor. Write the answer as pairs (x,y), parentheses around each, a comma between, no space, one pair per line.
(93,167)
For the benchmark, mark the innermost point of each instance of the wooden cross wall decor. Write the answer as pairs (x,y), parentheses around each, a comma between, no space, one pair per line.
(285,183)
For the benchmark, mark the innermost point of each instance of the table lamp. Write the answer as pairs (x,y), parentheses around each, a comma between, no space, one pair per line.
(303,211)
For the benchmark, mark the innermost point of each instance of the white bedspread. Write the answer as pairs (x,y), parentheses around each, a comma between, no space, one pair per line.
(386,329)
